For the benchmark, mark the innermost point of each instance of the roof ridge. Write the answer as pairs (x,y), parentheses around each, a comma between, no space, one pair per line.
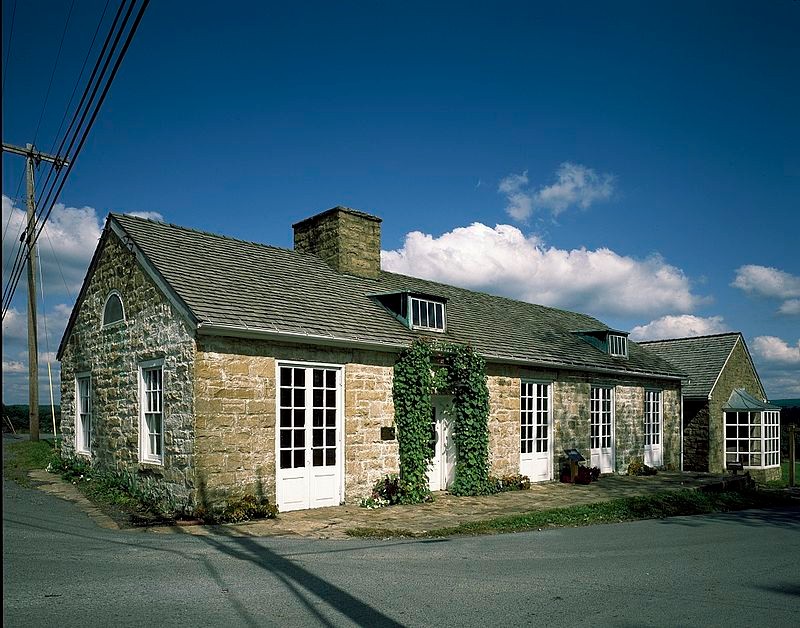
(202,232)
(498,296)
(719,335)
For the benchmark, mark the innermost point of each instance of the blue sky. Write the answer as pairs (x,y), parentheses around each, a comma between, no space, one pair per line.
(635,161)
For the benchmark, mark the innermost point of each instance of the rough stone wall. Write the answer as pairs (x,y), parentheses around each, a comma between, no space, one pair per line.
(504,428)
(695,435)
(629,430)
(235,417)
(570,418)
(152,329)
(738,373)
(368,408)
(671,431)
(236,406)
(349,241)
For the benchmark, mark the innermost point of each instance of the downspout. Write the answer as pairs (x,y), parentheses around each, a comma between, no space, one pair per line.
(682,404)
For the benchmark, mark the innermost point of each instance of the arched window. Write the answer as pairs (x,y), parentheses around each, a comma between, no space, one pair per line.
(113,312)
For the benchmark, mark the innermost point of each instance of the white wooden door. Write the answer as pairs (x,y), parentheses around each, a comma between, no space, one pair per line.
(653,431)
(535,458)
(308,443)
(601,420)
(442,469)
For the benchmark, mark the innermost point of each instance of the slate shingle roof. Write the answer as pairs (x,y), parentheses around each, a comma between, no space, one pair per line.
(228,282)
(701,358)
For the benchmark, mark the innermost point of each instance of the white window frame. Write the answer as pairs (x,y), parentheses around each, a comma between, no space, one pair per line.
(600,412)
(83,416)
(427,302)
(761,431)
(113,293)
(146,453)
(340,422)
(653,406)
(618,345)
(533,394)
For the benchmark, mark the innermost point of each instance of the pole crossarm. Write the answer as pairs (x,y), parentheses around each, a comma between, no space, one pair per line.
(37,155)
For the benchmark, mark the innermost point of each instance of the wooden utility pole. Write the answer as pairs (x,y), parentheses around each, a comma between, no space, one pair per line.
(32,158)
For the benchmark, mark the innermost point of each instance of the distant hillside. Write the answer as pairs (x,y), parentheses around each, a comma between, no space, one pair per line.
(18,416)
(786,403)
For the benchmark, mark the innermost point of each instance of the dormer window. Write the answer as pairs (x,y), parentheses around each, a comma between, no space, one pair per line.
(416,310)
(113,311)
(426,314)
(611,342)
(617,345)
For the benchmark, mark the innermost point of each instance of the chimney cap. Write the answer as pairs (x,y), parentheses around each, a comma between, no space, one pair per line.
(334,210)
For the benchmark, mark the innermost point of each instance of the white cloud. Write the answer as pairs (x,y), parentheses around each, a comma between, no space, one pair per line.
(66,245)
(14,367)
(148,215)
(504,261)
(575,185)
(776,350)
(767,281)
(519,204)
(682,326)
(790,307)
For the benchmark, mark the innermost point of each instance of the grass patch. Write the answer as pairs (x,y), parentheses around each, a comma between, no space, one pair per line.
(784,481)
(24,456)
(655,506)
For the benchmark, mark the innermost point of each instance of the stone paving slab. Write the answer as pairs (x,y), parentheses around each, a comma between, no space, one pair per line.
(444,511)
(449,510)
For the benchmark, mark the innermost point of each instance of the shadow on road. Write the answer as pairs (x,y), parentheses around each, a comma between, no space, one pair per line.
(297,578)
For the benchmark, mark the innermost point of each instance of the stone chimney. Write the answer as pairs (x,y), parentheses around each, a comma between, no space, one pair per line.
(347,239)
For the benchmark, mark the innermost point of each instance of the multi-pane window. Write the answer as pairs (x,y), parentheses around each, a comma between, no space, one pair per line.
(152,419)
(83,414)
(307,392)
(752,438)
(426,314)
(534,417)
(652,417)
(113,311)
(618,345)
(600,414)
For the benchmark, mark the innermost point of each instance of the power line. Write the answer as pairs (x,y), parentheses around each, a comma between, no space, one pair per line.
(8,48)
(80,75)
(38,224)
(53,73)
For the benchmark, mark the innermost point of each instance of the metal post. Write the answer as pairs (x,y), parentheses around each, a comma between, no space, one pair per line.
(792,452)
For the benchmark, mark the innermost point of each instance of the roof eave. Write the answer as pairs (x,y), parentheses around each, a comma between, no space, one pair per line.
(243,331)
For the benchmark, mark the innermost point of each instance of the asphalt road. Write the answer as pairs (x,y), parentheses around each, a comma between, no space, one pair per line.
(60,569)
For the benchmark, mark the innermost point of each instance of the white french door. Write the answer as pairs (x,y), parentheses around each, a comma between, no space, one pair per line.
(653,430)
(601,437)
(442,469)
(535,458)
(309,440)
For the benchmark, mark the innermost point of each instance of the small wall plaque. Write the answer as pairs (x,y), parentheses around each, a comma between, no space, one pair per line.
(388,433)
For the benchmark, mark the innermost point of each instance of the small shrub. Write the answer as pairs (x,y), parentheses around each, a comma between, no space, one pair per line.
(510,483)
(238,509)
(638,467)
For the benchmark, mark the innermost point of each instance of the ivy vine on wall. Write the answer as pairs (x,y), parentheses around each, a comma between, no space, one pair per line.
(446,368)
(411,391)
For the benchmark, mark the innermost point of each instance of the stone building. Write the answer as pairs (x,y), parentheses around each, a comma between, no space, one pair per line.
(220,367)
(726,416)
